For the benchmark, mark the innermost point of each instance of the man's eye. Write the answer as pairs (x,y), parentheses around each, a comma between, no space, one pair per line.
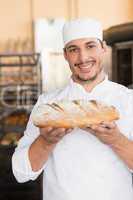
(91,46)
(73,50)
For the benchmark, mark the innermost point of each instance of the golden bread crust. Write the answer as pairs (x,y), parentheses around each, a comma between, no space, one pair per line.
(70,114)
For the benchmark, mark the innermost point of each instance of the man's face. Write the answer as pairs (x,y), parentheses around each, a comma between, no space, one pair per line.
(85,58)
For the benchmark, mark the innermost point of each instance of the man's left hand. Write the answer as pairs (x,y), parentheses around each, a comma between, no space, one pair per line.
(106,132)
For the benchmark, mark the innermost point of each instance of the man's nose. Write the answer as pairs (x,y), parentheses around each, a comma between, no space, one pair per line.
(83,55)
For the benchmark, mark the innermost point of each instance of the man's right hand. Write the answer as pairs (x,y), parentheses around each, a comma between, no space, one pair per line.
(53,135)
(41,148)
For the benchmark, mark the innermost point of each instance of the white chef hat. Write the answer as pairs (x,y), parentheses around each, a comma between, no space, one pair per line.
(82,28)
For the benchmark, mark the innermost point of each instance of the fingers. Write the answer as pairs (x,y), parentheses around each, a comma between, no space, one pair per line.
(104,125)
(46,129)
(57,131)
(103,129)
(69,130)
(88,129)
(53,135)
(106,132)
(110,125)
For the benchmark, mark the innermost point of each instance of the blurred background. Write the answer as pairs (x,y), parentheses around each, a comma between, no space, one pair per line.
(32,62)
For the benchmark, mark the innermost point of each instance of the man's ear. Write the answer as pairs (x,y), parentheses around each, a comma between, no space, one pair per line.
(105,47)
(65,53)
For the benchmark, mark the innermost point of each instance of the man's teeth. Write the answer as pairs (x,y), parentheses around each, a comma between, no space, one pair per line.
(87,65)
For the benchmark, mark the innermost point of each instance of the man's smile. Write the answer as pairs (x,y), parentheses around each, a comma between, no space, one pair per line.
(86,66)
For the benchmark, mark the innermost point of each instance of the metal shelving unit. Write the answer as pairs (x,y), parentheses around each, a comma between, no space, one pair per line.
(20,86)
(20,80)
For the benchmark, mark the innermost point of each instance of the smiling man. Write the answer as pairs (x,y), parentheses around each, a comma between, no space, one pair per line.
(85,58)
(93,163)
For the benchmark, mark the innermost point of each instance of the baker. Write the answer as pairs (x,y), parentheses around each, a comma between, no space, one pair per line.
(82,164)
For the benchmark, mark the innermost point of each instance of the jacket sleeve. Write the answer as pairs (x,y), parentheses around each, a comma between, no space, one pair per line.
(130,111)
(21,166)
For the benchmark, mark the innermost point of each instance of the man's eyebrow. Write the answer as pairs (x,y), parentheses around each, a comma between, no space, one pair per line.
(71,46)
(75,46)
(91,42)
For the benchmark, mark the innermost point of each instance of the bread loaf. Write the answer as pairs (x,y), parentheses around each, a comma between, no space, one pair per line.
(70,114)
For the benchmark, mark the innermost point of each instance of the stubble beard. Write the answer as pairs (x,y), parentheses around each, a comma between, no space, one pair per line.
(85,81)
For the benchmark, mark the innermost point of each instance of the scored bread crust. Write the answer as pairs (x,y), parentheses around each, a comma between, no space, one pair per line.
(70,114)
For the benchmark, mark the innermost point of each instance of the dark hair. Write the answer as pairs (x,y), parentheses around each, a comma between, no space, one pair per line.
(101,42)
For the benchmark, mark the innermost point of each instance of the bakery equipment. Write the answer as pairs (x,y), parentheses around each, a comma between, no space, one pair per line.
(20,86)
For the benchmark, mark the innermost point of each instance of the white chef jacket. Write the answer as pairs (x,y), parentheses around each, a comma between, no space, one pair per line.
(81,167)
